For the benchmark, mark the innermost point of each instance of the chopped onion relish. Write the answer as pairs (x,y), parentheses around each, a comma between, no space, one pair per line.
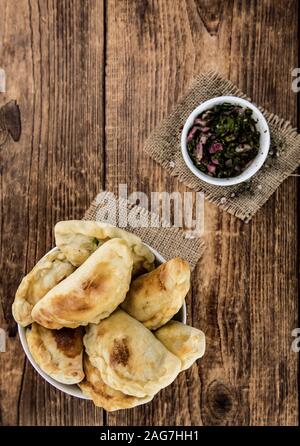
(224,140)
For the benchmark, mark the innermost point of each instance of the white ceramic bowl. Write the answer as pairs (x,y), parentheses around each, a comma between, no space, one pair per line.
(258,161)
(75,390)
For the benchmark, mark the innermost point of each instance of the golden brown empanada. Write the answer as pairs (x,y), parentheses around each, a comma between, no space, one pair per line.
(48,272)
(154,298)
(92,292)
(78,239)
(187,343)
(57,352)
(129,357)
(103,395)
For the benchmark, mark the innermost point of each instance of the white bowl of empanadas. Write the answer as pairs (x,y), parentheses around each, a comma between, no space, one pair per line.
(102,316)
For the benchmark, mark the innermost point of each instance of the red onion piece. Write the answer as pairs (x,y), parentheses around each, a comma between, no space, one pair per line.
(203,139)
(191,133)
(199,151)
(200,121)
(216,147)
(211,168)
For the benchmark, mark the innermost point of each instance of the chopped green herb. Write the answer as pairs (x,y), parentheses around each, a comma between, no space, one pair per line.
(224,140)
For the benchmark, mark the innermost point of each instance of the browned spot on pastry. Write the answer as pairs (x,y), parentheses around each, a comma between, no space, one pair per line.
(96,283)
(69,341)
(120,353)
(128,397)
(74,302)
(100,332)
(82,306)
(88,284)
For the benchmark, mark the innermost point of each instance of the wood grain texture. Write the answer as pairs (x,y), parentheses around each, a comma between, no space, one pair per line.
(52,53)
(78,68)
(245,289)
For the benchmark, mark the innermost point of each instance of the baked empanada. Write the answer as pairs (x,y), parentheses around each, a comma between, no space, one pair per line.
(104,396)
(154,298)
(57,352)
(187,343)
(129,357)
(92,292)
(79,238)
(47,273)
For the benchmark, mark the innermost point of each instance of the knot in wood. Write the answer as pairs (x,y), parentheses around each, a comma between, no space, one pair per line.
(221,400)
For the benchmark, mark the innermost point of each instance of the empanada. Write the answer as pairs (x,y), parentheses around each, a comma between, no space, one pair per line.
(79,238)
(57,352)
(154,298)
(47,273)
(187,343)
(92,292)
(104,396)
(129,357)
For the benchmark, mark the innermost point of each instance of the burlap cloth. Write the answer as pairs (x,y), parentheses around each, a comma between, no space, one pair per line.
(168,241)
(242,200)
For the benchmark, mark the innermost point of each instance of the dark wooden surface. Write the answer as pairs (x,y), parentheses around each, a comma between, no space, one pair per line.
(92,80)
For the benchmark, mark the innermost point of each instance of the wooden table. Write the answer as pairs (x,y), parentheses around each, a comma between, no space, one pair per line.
(93,79)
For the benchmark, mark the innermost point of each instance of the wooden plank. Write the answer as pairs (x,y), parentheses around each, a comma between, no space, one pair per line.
(273,285)
(52,53)
(245,289)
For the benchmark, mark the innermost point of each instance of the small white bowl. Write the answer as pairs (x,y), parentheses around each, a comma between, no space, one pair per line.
(257,162)
(75,390)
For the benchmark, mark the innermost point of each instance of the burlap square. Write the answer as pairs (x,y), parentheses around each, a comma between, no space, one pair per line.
(169,242)
(242,200)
